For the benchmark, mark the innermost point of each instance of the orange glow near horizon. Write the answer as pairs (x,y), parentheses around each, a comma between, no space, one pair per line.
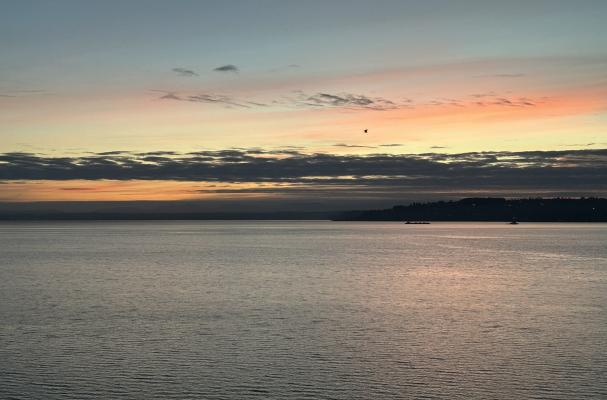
(113,190)
(453,107)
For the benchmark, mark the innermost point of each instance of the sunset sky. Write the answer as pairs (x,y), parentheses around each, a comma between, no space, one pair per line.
(236,100)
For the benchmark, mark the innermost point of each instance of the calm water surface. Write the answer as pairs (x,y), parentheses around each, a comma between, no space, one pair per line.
(302,310)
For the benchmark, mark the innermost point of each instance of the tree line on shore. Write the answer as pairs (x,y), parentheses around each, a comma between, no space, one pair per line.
(585,209)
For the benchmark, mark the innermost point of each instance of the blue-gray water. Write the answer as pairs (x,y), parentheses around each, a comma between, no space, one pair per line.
(302,310)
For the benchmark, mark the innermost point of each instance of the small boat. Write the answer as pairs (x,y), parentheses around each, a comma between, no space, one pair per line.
(513,222)
(417,223)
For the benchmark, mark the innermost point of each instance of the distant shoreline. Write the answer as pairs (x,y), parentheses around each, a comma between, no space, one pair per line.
(464,210)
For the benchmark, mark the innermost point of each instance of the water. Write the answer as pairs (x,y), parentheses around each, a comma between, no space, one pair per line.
(305,310)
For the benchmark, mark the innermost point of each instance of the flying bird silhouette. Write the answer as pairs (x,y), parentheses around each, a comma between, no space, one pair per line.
(366,131)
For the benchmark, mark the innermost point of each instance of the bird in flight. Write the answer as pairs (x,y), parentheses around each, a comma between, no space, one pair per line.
(366,131)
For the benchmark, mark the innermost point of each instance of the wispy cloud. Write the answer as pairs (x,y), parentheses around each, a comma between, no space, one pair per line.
(285,68)
(166,95)
(184,72)
(356,102)
(216,99)
(76,189)
(484,100)
(319,100)
(225,100)
(227,68)
(354,146)
(344,100)
(583,144)
(113,152)
(170,96)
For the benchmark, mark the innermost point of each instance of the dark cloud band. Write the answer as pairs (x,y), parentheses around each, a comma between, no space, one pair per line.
(556,170)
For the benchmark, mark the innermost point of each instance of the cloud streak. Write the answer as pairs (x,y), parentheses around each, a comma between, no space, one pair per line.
(353,146)
(184,72)
(208,98)
(345,100)
(227,68)
(355,102)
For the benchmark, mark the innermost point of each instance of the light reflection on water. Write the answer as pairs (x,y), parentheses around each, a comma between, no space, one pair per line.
(230,310)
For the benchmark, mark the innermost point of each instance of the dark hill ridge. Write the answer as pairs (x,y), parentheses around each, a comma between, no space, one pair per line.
(490,209)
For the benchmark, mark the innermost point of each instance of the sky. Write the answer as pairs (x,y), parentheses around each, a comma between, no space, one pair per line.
(269,100)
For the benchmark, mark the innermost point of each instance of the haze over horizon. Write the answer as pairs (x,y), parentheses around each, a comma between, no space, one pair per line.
(263,104)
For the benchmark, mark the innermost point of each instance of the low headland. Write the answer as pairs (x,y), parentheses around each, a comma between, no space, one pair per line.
(490,209)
